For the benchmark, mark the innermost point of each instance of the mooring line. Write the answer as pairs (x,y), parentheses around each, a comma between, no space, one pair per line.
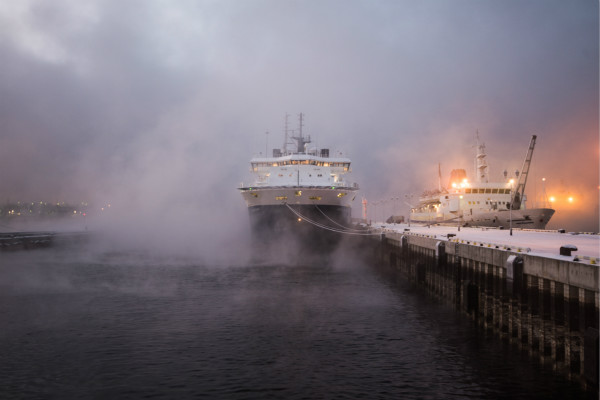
(346,232)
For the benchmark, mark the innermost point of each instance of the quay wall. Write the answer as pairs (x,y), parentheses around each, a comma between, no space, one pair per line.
(547,307)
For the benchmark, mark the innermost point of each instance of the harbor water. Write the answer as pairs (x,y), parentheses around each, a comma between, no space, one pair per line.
(127,325)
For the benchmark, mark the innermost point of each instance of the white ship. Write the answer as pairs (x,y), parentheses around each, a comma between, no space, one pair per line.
(301,193)
(482,203)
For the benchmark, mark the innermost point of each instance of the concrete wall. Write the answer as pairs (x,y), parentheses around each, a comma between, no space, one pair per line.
(548,307)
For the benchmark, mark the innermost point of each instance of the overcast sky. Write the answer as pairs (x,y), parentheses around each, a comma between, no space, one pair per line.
(157,106)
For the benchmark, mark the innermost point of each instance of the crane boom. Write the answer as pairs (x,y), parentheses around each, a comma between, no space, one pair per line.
(520,190)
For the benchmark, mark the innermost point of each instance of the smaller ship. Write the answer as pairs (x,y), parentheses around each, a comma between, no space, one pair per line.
(482,203)
(299,194)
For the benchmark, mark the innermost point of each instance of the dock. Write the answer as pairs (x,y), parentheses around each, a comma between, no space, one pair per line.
(14,241)
(537,290)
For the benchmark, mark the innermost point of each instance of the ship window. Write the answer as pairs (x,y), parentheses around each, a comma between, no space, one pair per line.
(494,191)
(467,191)
(280,174)
(315,197)
(488,190)
(281,198)
(298,193)
(341,194)
(254,194)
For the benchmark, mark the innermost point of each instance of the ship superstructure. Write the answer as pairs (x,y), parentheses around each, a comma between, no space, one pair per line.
(300,191)
(480,202)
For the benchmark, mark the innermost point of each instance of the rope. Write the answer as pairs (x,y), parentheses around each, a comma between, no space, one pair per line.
(337,223)
(319,225)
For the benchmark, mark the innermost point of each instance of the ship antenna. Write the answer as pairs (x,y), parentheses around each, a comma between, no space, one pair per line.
(266,144)
(285,141)
(440,177)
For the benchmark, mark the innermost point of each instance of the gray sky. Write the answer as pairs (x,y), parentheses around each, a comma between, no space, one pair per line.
(157,106)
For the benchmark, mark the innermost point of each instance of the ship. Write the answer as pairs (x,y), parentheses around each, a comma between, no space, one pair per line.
(481,203)
(301,194)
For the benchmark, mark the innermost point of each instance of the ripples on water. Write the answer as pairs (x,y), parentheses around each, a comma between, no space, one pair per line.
(115,326)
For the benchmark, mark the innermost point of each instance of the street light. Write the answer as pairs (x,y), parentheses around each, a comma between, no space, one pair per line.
(512,181)
(409,203)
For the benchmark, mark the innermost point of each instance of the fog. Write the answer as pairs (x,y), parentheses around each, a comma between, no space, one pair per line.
(156,107)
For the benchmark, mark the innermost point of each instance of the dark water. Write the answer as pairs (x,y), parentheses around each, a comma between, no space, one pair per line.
(105,326)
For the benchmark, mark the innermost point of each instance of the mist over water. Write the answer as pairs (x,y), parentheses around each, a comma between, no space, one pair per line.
(94,323)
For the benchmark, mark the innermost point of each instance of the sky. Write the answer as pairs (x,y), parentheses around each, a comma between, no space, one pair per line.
(156,106)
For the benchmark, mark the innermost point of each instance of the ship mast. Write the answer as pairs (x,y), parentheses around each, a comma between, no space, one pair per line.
(481,167)
(286,140)
(301,141)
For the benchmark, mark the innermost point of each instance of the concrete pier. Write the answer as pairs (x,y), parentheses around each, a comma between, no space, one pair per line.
(546,305)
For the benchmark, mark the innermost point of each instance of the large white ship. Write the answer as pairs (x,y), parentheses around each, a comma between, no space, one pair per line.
(299,193)
(480,202)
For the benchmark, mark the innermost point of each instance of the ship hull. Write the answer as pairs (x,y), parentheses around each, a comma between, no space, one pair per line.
(535,218)
(282,227)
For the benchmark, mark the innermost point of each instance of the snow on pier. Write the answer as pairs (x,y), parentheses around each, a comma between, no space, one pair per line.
(536,242)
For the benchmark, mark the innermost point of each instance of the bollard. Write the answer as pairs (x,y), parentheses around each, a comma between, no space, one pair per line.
(567,249)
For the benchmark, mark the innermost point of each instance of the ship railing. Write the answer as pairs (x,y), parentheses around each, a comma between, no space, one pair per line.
(340,184)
